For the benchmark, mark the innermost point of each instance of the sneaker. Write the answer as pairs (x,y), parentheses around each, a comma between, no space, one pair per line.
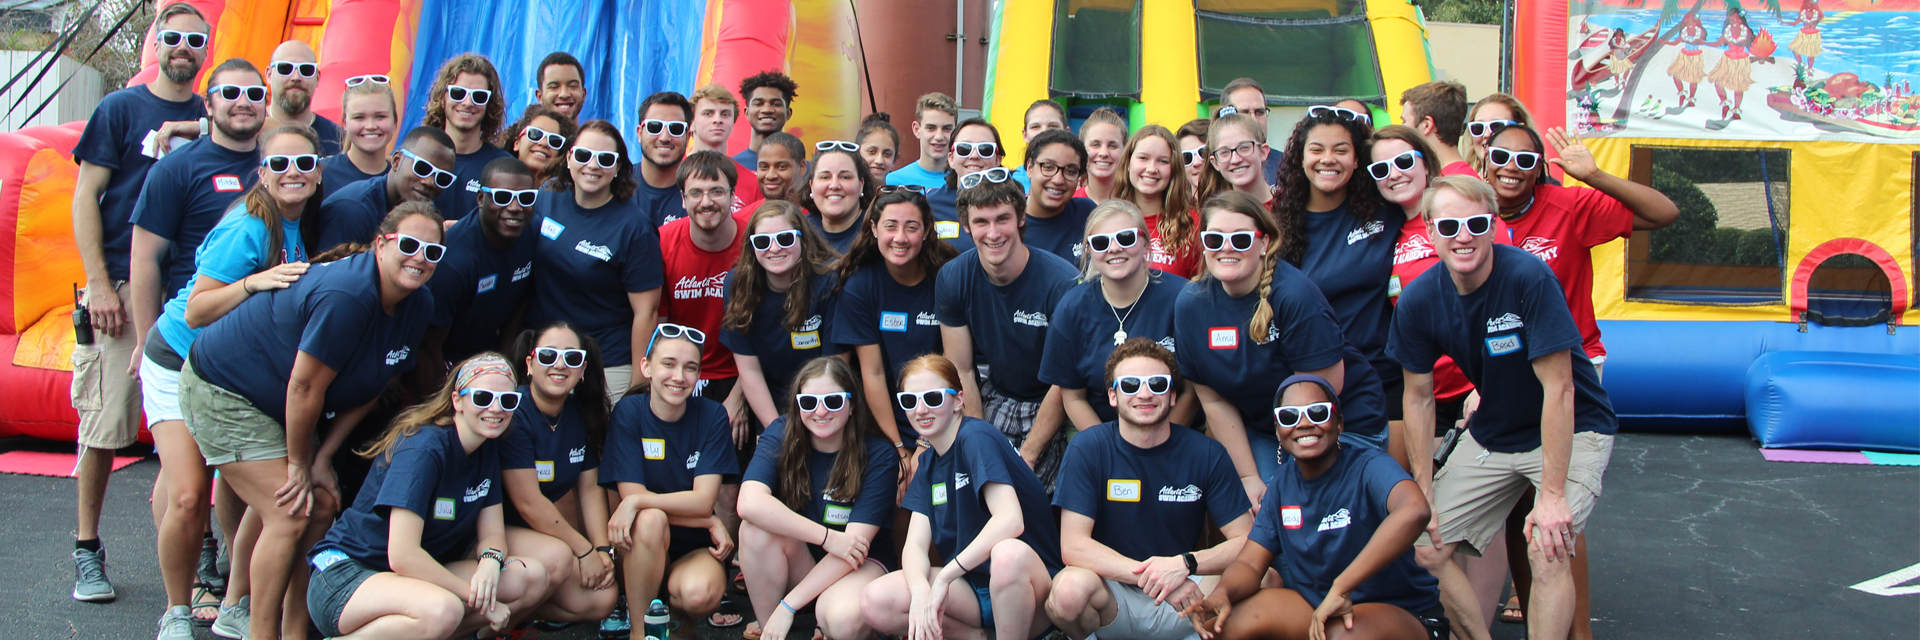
(617,625)
(208,570)
(235,621)
(90,576)
(177,624)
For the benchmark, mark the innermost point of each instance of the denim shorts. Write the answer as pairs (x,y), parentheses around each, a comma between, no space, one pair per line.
(329,589)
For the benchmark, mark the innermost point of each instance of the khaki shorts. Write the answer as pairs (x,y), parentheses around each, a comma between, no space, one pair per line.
(1477,488)
(227,427)
(104,394)
(618,378)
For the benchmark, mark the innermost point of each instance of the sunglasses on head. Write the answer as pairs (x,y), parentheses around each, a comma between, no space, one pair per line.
(829,145)
(1157,385)
(538,135)
(903,187)
(808,402)
(1480,128)
(410,245)
(372,77)
(484,399)
(423,169)
(473,96)
(303,163)
(1193,157)
(1104,242)
(976,149)
(1475,225)
(994,175)
(674,128)
(1218,241)
(231,92)
(1343,112)
(1289,416)
(933,399)
(549,356)
(670,330)
(504,197)
(606,159)
(766,241)
(1230,110)
(304,69)
(173,38)
(1404,162)
(1502,156)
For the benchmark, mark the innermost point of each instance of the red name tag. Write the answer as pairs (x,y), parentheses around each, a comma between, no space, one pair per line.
(226,183)
(1223,338)
(1290,517)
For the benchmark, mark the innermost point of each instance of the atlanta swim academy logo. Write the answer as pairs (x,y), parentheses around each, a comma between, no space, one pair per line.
(474,494)
(399,355)
(1503,323)
(1415,248)
(926,319)
(1337,520)
(689,287)
(600,252)
(1030,318)
(1543,248)
(1370,229)
(1189,494)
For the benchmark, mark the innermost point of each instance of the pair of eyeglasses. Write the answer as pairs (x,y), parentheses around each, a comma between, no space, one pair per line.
(304,69)
(1193,157)
(371,77)
(1343,112)
(976,149)
(410,245)
(1218,241)
(934,399)
(1289,416)
(477,97)
(1502,156)
(995,175)
(716,194)
(550,356)
(1047,169)
(171,38)
(605,159)
(538,135)
(1104,242)
(829,145)
(504,197)
(673,128)
(766,241)
(424,169)
(1478,225)
(1404,162)
(230,92)
(808,402)
(484,399)
(1482,128)
(1157,385)
(303,163)
(1245,149)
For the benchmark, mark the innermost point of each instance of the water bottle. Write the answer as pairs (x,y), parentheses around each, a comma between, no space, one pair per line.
(656,620)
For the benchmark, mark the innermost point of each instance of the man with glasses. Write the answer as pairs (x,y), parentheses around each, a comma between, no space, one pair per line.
(1056,220)
(1134,498)
(1438,110)
(417,173)
(662,145)
(1544,422)
(933,125)
(1000,295)
(769,96)
(714,113)
(487,272)
(465,102)
(562,83)
(292,75)
(696,252)
(1246,96)
(128,131)
(1043,115)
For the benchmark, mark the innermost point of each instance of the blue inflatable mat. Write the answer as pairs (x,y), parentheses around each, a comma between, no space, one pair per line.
(1835,400)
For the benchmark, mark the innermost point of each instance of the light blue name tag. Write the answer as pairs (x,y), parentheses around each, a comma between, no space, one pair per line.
(1503,345)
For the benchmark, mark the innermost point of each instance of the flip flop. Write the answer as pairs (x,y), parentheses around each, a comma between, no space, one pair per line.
(727,608)
(1512,614)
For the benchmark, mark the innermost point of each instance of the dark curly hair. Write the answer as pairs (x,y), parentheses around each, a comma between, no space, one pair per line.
(624,184)
(770,79)
(1290,209)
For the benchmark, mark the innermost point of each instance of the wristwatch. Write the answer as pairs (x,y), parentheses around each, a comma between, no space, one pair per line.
(611,554)
(1193,564)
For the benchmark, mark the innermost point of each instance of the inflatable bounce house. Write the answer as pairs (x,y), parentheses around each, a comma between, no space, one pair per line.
(1165,61)
(1787,131)
(649,45)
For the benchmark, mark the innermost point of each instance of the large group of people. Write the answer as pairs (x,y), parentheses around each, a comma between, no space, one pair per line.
(509,375)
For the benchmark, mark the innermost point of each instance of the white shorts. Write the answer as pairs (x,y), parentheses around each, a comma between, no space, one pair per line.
(1138,618)
(159,392)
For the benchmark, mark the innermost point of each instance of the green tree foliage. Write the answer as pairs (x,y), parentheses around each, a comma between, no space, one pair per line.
(1470,11)
(1697,238)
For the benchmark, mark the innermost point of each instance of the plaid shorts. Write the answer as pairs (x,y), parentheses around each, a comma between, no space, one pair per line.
(1015,419)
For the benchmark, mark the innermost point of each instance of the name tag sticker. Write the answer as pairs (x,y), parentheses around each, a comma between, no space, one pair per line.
(1223,338)
(551,229)
(226,184)
(939,493)
(1503,345)
(1290,517)
(1123,490)
(1393,287)
(653,448)
(327,558)
(894,321)
(947,230)
(543,469)
(806,339)
(838,514)
(486,284)
(443,508)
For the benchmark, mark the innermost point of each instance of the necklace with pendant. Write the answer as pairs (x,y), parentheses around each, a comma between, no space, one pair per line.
(1120,335)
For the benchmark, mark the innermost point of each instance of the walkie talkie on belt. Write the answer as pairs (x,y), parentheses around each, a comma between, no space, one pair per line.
(82,320)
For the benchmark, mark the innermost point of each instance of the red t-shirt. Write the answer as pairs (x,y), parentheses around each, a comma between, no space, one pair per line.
(1562,228)
(695,283)
(1413,255)
(1184,265)
(1459,168)
(746,189)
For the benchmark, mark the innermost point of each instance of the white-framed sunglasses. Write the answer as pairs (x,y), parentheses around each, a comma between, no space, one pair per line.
(994,175)
(1478,225)
(477,97)
(933,399)
(808,402)
(550,356)
(302,69)
(766,241)
(303,163)
(1502,156)
(484,399)
(504,197)
(1157,385)
(538,135)
(674,128)
(1289,416)
(371,77)
(1218,241)
(976,149)
(1342,112)
(1104,242)
(605,159)
(829,145)
(1483,128)
(1404,162)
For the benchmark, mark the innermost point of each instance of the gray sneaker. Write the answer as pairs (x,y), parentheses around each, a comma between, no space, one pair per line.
(177,624)
(235,621)
(90,576)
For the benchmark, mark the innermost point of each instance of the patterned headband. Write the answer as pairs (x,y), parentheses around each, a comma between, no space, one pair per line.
(480,366)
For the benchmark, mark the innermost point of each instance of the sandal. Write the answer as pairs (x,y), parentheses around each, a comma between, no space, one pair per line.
(727,609)
(752,632)
(204,601)
(1512,614)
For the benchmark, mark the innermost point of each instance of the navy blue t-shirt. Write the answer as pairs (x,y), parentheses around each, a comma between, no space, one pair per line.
(876,309)
(457,201)
(113,139)
(1352,261)
(1211,328)
(186,194)
(352,213)
(336,172)
(1315,528)
(661,204)
(878,483)
(1009,323)
(1494,334)
(477,287)
(947,224)
(332,313)
(1081,337)
(585,264)
(782,350)
(748,158)
(1272,165)
(555,448)
(666,456)
(1064,234)
(433,476)
(842,240)
(1149,502)
(951,491)
(329,134)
